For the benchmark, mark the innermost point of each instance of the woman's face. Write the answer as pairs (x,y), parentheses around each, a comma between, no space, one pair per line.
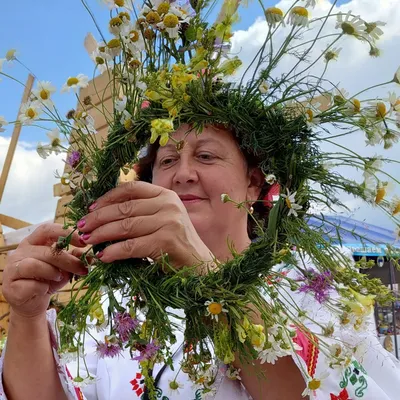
(208,165)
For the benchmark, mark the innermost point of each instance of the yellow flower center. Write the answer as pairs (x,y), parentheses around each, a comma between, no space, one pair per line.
(163,8)
(99,61)
(30,113)
(396,209)
(55,142)
(153,17)
(274,11)
(301,11)
(348,28)
(314,384)
(128,124)
(310,115)
(288,202)
(113,43)
(135,64)
(115,21)
(174,385)
(356,104)
(215,308)
(380,194)
(64,180)
(119,3)
(102,49)
(123,15)
(171,21)
(72,81)
(380,110)
(44,94)
(134,36)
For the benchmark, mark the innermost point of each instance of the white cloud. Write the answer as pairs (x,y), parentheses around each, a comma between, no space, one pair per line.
(28,193)
(355,70)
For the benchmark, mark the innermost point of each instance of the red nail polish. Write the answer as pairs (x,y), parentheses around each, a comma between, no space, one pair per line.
(85,236)
(100,254)
(93,206)
(81,223)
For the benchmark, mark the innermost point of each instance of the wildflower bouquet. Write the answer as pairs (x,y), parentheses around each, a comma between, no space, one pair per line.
(169,65)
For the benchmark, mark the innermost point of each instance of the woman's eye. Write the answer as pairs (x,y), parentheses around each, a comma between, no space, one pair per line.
(206,156)
(166,161)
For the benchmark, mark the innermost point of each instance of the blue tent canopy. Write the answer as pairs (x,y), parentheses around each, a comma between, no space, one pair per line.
(361,238)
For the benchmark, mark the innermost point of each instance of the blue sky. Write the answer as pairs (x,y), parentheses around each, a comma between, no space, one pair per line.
(49,37)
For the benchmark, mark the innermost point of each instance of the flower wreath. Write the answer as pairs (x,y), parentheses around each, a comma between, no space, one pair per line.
(169,66)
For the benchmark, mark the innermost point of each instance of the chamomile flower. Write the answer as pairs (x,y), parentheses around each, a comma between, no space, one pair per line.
(374,135)
(377,110)
(373,30)
(114,47)
(126,4)
(134,40)
(55,141)
(339,96)
(274,15)
(394,102)
(299,16)
(395,205)
(29,112)
(80,382)
(43,93)
(372,165)
(311,119)
(314,384)
(75,83)
(118,26)
(353,106)
(290,200)
(174,387)
(270,179)
(214,309)
(43,150)
(381,191)
(171,25)
(397,76)
(233,374)
(263,87)
(332,54)
(103,61)
(311,3)
(3,122)
(85,122)
(120,104)
(11,55)
(351,25)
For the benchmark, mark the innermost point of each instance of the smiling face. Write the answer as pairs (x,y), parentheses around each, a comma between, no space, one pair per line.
(208,165)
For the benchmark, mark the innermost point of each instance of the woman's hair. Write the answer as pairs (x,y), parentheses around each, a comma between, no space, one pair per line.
(144,170)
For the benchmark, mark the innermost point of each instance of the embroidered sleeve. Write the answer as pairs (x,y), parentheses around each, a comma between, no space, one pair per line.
(72,392)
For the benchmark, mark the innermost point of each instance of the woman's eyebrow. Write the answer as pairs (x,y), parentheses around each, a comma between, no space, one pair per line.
(200,142)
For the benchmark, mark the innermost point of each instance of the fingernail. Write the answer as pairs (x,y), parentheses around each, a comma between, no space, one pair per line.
(81,223)
(81,240)
(93,206)
(85,236)
(60,278)
(100,254)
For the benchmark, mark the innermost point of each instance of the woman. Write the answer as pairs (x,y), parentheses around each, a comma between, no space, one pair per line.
(181,214)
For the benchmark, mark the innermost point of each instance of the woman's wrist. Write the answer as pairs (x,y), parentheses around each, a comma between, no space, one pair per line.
(35,325)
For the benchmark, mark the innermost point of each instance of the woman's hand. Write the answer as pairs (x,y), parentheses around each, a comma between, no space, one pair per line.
(35,271)
(148,221)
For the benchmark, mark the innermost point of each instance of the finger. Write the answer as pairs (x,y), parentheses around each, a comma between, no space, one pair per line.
(47,234)
(62,260)
(128,191)
(31,268)
(140,247)
(79,252)
(120,211)
(124,229)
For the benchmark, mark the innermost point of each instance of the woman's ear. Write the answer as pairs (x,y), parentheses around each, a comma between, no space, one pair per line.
(256,182)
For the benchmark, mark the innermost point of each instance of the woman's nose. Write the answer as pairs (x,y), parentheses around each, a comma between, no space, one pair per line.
(185,171)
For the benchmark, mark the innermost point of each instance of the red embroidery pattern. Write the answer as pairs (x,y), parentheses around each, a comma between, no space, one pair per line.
(78,392)
(137,384)
(343,395)
(309,352)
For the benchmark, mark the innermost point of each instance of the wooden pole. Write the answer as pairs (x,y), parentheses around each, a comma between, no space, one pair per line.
(14,138)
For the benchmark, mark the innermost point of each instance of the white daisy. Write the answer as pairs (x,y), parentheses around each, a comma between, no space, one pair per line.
(353,106)
(43,150)
(394,102)
(43,92)
(75,83)
(397,76)
(351,25)
(126,4)
(85,122)
(120,104)
(183,11)
(263,87)
(274,15)
(214,308)
(372,165)
(134,41)
(103,61)
(119,26)
(332,54)
(68,357)
(55,141)
(299,16)
(314,384)
(233,373)
(270,179)
(311,119)
(290,199)
(29,112)
(374,135)
(171,25)
(3,122)
(174,387)
(373,30)
(11,55)
(311,3)
(80,382)
(269,355)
